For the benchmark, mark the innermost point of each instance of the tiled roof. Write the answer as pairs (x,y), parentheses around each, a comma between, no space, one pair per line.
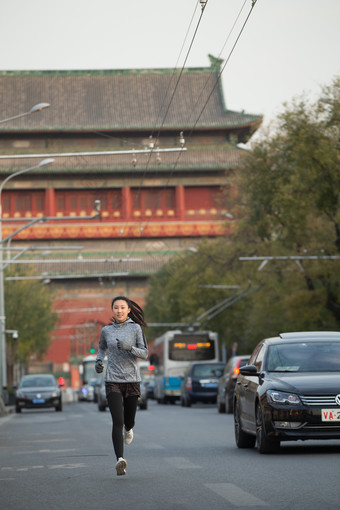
(98,267)
(198,158)
(117,100)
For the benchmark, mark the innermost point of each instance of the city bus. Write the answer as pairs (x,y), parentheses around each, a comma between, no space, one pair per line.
(87,368)
(172,353)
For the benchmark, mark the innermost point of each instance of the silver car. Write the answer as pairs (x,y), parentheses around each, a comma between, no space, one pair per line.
(142,401)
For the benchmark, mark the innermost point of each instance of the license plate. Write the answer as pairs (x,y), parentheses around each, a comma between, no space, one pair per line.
(209,385)
(330,414)
(38,401)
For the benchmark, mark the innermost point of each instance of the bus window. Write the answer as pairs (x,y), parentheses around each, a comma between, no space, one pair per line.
(191,348)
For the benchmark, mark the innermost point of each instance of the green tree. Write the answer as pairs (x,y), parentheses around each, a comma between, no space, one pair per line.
(290,187)
(288,204)
(183,291)
(28,309)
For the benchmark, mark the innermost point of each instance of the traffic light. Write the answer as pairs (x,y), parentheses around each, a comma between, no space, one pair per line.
(92,349)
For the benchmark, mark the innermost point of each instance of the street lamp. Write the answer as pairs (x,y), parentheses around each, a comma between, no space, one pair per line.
(36,108)
(3,368)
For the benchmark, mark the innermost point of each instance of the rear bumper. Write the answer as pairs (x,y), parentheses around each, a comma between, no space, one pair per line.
(206,396)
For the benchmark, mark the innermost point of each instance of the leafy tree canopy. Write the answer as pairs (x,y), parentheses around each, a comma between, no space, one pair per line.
(288,204)
(28,308)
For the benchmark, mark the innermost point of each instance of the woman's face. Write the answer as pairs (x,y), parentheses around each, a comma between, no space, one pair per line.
(120,310)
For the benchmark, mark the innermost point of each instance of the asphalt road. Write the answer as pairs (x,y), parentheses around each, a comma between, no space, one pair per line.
(181,458)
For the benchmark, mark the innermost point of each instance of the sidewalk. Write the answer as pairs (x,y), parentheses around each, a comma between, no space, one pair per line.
(5,410)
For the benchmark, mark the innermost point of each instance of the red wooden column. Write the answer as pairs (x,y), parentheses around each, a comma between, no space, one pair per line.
(126,203)
(50,207)
(180,203)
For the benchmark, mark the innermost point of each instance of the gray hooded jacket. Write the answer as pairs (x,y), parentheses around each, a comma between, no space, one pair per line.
(122,365)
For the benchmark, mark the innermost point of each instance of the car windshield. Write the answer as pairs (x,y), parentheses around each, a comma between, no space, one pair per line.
(207,370)
(304,357)
(39,382)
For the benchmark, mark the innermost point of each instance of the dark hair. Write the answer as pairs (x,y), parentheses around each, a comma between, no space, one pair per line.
(136,312)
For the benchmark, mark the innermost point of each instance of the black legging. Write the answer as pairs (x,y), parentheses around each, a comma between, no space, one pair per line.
(123,412)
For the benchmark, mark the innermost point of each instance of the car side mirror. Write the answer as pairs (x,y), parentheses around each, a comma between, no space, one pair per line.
(249,370)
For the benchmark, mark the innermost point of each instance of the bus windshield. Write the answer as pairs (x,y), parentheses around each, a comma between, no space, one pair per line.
(191,348)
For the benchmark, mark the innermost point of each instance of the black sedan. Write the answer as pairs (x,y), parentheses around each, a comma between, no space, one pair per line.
(200,383)
(37,391)
(289,391)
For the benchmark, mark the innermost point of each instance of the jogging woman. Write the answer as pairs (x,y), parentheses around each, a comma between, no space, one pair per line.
(124,342)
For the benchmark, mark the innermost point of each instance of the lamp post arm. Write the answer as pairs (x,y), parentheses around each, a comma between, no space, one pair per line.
(36,108)
(43,219)
(23,171)
(32,222)
(24,250)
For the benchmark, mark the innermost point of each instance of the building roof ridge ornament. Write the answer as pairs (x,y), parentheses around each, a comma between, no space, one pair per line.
(215,63)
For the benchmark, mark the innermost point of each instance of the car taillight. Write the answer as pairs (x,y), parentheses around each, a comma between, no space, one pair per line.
(236,371)
(189,383)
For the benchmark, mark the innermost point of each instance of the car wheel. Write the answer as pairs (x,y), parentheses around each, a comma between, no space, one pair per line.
(228,404)
(263,443)
(243,440)
(220,405)
(59,407)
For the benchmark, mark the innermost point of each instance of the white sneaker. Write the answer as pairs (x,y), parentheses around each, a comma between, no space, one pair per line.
(120,466)
(128,436)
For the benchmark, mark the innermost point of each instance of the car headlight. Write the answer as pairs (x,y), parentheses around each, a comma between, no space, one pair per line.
(283,398)
(20,395)
(54,394)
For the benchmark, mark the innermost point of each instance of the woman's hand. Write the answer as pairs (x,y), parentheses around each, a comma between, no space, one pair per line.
(99,366)
(123,345)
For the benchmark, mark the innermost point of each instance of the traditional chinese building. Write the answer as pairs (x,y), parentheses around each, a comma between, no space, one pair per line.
(163,141)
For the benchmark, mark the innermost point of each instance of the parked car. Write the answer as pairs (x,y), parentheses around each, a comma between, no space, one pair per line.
(289,391)
(200,382)
(97,386)
(38,391)
(101,397)
(226,383)
(142,401)
(86,392)
(150,387)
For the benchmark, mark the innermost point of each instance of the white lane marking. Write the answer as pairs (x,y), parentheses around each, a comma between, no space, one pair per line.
(154,446)
(67,466)
(62,440)
(181,463)
(44,451)
(52,466)
(235,495)
(5,419)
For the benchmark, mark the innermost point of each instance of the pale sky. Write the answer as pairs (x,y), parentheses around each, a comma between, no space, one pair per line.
(288,47)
